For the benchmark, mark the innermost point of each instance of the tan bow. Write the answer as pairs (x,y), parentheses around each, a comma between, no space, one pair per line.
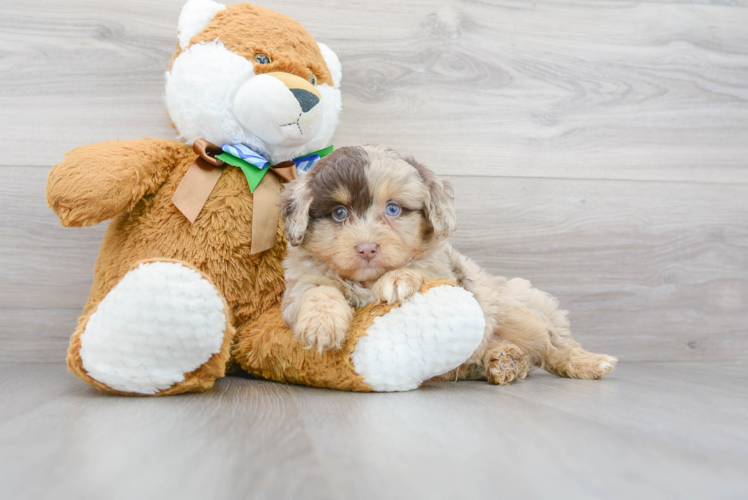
(202,176)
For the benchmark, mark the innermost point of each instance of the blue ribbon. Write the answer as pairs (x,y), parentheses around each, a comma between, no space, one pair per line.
(303,163)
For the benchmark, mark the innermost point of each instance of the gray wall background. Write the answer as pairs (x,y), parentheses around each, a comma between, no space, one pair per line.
(599,149)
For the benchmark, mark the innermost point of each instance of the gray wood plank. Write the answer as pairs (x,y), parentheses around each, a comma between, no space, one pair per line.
(39,258)
(630,90)
(698,391)
(649,431)
(36,335)
(649,270)
(500,443)
(25,387)
(226,444)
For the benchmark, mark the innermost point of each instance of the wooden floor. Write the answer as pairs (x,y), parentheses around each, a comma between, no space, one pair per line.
(677,430)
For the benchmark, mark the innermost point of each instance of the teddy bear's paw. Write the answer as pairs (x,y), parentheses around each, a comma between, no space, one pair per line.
(427,336)
(161,321)
(323,320)
(397,286)
(505,363)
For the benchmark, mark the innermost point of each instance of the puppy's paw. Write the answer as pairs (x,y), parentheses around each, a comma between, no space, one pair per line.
(396,286)
(575,362)
(594,366)
(606,364)
(505,363)
(323,320)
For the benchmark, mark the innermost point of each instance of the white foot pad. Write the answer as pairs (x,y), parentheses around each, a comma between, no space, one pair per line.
(430,334)
(161,321)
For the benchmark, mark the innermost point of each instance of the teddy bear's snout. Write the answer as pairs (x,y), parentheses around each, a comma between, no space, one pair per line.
(279,108)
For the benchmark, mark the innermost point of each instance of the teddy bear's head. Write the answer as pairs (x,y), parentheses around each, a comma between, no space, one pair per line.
(243,74)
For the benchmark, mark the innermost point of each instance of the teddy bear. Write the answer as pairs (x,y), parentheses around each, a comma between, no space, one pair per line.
(189,276)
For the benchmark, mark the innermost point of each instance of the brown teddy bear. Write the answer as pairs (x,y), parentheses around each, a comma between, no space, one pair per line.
(189,274)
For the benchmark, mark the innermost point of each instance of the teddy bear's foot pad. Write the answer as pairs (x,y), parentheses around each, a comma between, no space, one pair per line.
(161,321)
(429,335)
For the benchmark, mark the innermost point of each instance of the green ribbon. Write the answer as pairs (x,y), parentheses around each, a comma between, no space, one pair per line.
(255,174)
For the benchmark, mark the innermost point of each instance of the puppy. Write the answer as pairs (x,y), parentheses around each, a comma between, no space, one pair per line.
(366,224)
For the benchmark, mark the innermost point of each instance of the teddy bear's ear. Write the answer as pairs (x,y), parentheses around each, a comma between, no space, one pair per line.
(333,64)
(195,16)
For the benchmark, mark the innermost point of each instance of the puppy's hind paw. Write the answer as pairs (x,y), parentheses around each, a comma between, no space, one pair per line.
(593,368)
(505,363)
(397,286)
(606,365)
(578,363)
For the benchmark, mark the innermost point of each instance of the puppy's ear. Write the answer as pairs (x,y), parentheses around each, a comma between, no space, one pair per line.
(295,202)
(440,205)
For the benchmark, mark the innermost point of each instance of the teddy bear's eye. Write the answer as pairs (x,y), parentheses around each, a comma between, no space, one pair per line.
(262,59)
(313,79)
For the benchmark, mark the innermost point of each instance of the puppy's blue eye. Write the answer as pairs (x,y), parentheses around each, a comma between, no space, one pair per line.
(340,214)
(393,210)
(313,80)
(262,59)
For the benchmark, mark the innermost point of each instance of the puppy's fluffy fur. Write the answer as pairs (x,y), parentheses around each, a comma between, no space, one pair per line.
(349,245)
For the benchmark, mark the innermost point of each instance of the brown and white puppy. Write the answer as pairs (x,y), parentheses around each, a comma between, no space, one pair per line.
(366,224)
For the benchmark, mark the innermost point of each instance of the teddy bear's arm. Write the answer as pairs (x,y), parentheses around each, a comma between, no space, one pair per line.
(96,182)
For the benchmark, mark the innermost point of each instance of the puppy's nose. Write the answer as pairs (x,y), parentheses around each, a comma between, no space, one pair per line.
(367,250)
(305,98)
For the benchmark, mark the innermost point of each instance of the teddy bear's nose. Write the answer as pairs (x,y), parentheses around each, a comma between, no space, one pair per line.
(305,98)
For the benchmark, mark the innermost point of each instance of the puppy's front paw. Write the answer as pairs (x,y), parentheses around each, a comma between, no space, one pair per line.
(397,285)
(323,321)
